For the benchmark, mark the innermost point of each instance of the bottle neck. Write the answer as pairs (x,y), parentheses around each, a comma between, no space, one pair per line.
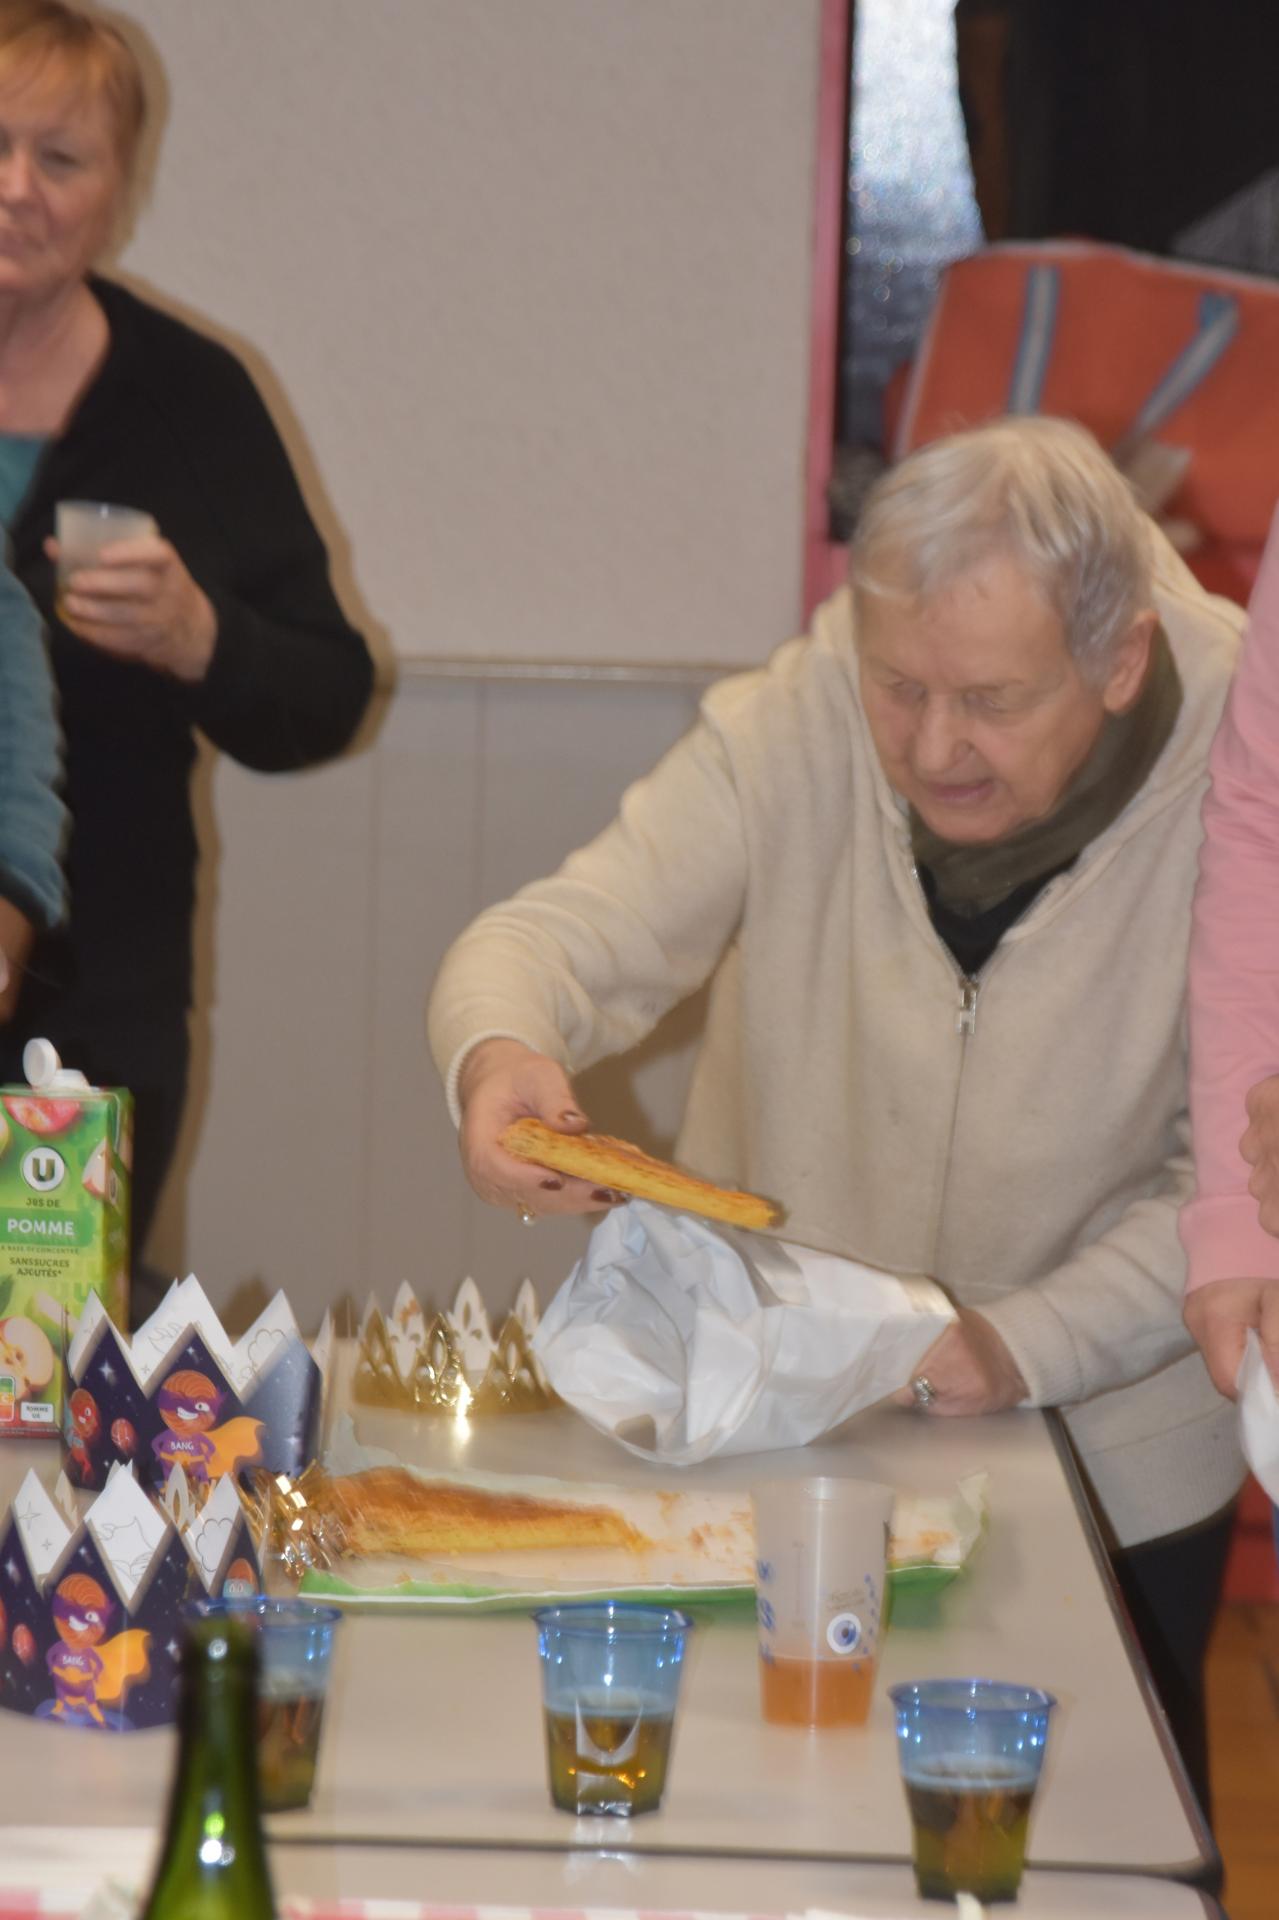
(213,1860)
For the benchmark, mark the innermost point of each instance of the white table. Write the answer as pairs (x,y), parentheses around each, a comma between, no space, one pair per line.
(662,1884)
(653,1885)
(67,1867)
(439,1734)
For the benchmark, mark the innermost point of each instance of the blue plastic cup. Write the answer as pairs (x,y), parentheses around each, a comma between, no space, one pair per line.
(295,1650)
(970,1754)
(610,1687)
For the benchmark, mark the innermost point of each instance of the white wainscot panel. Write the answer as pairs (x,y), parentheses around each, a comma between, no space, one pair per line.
(320,1154)
(280,1085)
(549,762)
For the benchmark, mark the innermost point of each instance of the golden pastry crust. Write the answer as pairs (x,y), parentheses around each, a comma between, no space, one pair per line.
(618,1164)
(390,1510)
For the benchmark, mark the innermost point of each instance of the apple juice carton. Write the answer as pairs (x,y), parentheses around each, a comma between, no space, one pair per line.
(65,1150)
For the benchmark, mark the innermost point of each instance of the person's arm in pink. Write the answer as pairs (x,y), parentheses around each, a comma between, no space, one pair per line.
(1229,1229)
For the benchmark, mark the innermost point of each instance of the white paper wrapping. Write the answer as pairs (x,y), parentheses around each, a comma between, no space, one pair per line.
(681,1340)
(1259,1416)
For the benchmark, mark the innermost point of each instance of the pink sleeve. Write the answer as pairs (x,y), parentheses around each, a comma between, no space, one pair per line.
(1234,953)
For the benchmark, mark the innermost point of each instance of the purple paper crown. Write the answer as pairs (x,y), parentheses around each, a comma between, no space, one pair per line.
(184,1410)
(85,1641)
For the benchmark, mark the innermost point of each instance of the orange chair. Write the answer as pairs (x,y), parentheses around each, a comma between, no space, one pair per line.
(1138,349)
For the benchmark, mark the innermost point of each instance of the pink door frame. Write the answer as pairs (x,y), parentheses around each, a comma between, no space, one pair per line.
(824,559)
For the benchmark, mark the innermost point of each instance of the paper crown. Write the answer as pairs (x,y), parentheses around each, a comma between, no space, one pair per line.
(450,1362)
(90,1610)
(182,1393)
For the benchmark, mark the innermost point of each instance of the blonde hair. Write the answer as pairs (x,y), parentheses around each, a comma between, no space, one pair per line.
(1039,490)
(45,41)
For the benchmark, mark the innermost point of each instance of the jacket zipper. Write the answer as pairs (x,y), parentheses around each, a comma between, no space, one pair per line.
(965,1026)
(969,985)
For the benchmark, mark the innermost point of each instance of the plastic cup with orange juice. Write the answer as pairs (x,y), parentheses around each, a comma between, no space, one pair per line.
(821,1553)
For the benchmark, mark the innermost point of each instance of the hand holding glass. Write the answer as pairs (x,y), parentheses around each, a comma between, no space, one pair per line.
(970,1753)
(84,527)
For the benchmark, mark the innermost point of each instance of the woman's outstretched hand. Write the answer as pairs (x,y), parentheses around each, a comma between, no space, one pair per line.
(502,1080)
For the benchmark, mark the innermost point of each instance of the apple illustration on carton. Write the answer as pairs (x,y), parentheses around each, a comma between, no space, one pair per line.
(41,1116)
(26,1355)
(64,1228)
(99,1176)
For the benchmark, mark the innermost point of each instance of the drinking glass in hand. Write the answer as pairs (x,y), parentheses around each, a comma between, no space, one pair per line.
(83,528)
(610,1686)
(970,1754)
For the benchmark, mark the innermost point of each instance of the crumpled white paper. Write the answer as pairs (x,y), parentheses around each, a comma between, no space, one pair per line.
(681,1340)
(1259,1416)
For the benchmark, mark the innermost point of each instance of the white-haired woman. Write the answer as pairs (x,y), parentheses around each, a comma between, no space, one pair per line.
(937,860)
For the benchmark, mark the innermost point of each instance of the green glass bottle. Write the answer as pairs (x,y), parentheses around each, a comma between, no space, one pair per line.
(213,1862)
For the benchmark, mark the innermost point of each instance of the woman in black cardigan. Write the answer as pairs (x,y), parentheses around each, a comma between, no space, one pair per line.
(224,621)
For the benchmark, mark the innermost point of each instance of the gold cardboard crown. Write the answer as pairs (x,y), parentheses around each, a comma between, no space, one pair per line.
(450,1362)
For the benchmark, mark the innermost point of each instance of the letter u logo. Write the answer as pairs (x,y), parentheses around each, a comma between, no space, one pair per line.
(43,1168)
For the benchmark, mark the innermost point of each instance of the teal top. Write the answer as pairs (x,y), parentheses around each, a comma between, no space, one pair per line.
(19,457)
(32,818)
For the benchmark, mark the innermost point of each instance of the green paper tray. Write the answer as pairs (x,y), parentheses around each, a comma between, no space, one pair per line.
(412,1596)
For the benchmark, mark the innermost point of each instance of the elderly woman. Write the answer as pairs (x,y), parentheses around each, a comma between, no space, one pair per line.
(225,621)
(938,859)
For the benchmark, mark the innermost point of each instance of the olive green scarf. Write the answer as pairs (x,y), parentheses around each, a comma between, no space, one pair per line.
(972,879)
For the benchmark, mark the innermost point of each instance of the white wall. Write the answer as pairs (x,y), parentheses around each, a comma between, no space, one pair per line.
(533,277)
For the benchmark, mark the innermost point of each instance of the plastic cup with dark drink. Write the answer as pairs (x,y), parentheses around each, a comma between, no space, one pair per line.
(970,1753)
(610,1689)
(295,1648)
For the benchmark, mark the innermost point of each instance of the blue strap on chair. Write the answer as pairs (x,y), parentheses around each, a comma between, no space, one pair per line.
(1215,331)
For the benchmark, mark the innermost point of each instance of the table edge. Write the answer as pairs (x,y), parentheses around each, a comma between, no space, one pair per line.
(1207,1874)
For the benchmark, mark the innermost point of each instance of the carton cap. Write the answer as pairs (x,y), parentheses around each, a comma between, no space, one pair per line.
(44,1069)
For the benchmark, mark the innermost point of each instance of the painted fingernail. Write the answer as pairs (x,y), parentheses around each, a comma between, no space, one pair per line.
(603,1194)
(552,1186)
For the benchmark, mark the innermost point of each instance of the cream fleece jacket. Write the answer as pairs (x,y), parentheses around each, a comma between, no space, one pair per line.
(1023,1138)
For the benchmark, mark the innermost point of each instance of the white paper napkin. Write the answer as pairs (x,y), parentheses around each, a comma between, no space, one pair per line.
(681,1340)
(1259,1416)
